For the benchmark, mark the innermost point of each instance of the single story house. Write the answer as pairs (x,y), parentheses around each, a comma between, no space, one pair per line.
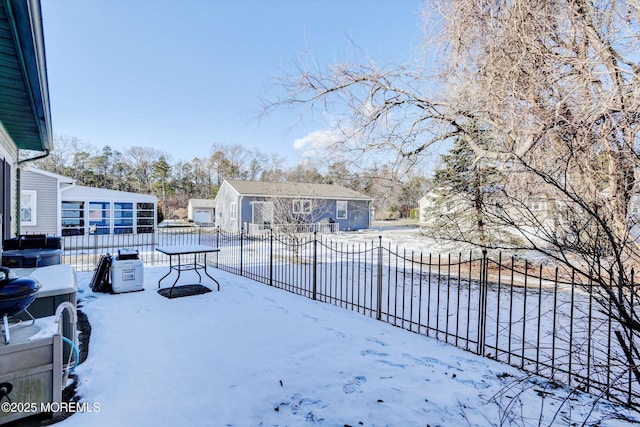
(25,118)
(255,206)
(201,211)
(534,215)
(53,204)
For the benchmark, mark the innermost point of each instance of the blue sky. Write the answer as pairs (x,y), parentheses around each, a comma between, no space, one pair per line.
(182,75)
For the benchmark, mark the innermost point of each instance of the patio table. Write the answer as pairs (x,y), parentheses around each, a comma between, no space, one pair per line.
(184,263)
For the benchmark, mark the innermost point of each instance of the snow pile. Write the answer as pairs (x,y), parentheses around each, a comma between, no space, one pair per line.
(253,355)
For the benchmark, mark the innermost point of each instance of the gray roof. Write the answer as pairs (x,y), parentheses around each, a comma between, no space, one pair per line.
(202,203)
(290,189)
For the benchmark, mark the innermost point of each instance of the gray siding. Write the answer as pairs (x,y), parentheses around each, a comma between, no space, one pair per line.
(47,202)
(225,197)
(357,212)
(325,208)
(357,215)
(247,210)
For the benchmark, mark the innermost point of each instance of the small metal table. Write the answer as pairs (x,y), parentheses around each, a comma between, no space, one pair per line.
(180,251)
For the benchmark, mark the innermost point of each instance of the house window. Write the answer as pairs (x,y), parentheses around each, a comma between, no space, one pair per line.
(536,205)
(341,209)
(99,217)
(72,218)
(122,217)
(262,213)
(28,207)
(302,206)
(233,212)
(145,214)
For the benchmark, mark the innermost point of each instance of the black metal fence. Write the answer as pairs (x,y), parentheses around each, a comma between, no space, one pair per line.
(528,316)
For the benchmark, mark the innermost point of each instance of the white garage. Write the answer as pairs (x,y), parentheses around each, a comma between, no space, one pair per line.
(201,211)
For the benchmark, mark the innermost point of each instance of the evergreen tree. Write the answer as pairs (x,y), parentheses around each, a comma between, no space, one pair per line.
(161,170)
(461,188)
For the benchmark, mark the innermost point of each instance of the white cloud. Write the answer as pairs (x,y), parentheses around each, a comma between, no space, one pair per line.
(317,143)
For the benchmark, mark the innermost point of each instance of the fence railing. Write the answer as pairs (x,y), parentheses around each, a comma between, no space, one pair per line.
(294,228)
(506,309)
(83,251)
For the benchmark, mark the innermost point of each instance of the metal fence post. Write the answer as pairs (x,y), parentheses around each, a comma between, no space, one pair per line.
(241,249)
(379,281)
(154,245)
(216,231)
(315,265)
(482,307)
(271,257)
(95,245)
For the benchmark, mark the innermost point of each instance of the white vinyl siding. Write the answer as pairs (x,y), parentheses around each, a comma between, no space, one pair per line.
(47,207)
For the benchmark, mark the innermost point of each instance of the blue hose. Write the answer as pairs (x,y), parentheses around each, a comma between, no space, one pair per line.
(75,352)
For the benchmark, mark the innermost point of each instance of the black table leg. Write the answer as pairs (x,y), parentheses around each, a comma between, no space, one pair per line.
(170,269)
(207,273)
(195,266)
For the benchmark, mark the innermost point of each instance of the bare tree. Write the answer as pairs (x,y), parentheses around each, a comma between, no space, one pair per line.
(63,159)
(306,172)
(141,160)
(553,86)
(556,83)
(273,169)
(292,213)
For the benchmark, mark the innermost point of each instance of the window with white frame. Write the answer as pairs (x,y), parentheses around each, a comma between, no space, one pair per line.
(302,206)
(72,218)
(233,211)
(341,209)
(145,216)
(100,217)
(262,213)
(122,217)
(536,205)
(28,208)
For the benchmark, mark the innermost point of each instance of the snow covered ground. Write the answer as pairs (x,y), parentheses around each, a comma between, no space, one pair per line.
(252,355)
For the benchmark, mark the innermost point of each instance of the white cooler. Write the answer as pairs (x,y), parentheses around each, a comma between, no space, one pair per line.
(126,272)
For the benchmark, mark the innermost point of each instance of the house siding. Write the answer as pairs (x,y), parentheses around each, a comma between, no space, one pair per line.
(9,153)
(324,209)
(225,197)
(246,212)
(46,188)
(357,215)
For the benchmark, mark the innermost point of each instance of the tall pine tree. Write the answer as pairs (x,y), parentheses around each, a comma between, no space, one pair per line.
(461,187)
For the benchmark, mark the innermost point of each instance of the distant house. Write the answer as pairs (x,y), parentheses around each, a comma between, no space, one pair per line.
(455,215)
(201,211)
(53,204)
(255,206)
